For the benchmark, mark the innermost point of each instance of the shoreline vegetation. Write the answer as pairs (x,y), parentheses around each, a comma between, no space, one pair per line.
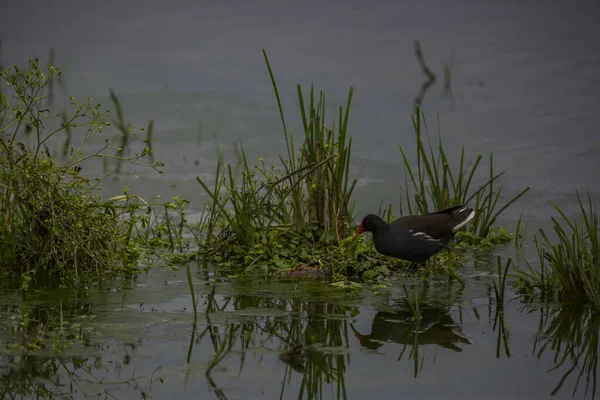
(293,218)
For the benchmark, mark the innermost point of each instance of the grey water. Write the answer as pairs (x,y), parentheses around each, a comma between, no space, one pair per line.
(525,84)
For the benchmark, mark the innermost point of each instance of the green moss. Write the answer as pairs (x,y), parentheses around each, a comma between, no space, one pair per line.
(496,236)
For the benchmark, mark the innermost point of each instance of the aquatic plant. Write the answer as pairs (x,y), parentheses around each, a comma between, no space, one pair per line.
(433,185)
(303,203)
(300,212)
(52,220)
(569,268)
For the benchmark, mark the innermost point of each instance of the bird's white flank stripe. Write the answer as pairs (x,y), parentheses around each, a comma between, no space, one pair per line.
(425,236)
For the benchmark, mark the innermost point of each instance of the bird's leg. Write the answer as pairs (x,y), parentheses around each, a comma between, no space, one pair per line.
(449,260)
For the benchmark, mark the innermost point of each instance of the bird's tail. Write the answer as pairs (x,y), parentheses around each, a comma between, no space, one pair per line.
(462,216)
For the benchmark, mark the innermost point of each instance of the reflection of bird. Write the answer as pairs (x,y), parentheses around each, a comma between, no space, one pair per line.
(294,357)
(436,327)
(416,237)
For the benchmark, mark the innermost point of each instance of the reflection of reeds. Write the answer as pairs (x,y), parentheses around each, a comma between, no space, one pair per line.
(503,333)
(500,288)
(67,126)
(304,334)
(430,75)
(571,333)
(51,82)
(46,328)
(499,321)
(149,149)
(123,127)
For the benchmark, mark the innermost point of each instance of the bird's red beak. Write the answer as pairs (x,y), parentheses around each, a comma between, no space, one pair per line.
(360,229)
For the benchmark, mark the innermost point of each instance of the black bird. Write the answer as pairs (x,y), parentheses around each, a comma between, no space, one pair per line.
(416,237)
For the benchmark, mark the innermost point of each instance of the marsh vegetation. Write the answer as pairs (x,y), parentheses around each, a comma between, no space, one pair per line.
(262,224)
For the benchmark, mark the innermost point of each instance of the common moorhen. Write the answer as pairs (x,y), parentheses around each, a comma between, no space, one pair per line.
(416,237)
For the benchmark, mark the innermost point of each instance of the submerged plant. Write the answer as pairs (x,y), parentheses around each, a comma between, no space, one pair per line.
(569,268)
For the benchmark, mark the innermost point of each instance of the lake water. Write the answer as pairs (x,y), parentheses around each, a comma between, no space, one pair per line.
(525,85)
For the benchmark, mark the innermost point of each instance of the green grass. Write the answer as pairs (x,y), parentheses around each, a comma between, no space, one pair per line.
(432,185)
(269,213)
(569,264)
(262,217)
(272,217)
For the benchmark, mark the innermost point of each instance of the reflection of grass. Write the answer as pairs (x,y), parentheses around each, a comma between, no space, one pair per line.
(499,321)
(43,377)
(571,333)
(500,288)
(36,338)
(307,331)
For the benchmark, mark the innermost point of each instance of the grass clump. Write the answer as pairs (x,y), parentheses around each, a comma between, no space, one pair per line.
(52,220)
(278,215)
(433,186)
(301,212)
(569,266)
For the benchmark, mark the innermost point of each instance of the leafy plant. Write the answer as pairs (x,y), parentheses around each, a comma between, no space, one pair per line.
(52,220)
